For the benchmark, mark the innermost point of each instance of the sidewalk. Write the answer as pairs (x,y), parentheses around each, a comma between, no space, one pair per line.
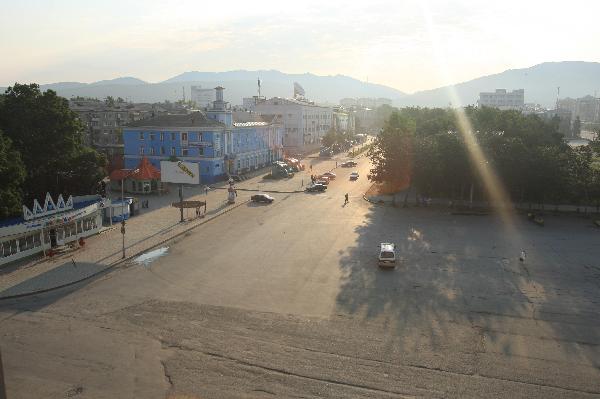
(149,228)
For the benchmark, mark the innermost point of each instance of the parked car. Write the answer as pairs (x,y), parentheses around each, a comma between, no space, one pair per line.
(387,255)
(262,198)
(330,175)
(354,176)
(348,164)
(316,188)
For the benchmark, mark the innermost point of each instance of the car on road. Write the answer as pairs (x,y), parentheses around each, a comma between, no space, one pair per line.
(354,176)
(329,175)
(316,188)
(322,181)
(262,198)
(349,164)
(387,255)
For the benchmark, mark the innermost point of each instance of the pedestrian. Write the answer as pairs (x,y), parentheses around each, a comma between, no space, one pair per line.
(81,242)
(346,199)
(205,190)
(522,256)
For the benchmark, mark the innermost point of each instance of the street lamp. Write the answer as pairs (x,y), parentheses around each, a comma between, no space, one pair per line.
(123,214)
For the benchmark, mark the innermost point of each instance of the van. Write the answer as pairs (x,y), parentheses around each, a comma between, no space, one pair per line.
(387,254)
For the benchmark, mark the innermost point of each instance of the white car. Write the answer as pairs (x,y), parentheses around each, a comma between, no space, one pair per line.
(387,254)
(354,176)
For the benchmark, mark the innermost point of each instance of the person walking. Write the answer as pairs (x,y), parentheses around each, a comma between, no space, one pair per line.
(346,199)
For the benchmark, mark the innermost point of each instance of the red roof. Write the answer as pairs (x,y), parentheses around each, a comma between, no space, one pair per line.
(144,171)
(119,174)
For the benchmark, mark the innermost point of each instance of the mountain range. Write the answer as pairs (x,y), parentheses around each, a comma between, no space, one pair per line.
(575,79)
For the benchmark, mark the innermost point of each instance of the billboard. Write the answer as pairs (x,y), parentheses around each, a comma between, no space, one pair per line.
(179,172)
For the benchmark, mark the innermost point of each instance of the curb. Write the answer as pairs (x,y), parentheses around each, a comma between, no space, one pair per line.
(118,262)
(262,191)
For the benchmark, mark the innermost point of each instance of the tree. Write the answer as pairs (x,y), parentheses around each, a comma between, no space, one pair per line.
(110,101)
(392,151)
(12,175)
(48,135)
(576,130)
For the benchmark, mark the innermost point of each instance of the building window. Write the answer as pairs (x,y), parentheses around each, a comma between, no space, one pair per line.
(152,151)
(199,136)
(141,150)
(184,152)
(162,137)
(152,136)
(173,151)
(184,136)
(172,136)
(141,135)
(200,150)
(162,150)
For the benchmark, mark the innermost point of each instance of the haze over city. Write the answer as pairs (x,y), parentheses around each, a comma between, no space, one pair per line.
(386,42)
(284,199)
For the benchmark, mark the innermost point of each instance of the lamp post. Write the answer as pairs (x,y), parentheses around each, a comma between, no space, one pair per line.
(123,214)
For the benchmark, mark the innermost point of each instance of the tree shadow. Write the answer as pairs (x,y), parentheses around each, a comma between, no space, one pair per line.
(459,295)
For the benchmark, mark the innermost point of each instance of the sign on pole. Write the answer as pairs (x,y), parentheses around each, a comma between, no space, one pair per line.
(179,172)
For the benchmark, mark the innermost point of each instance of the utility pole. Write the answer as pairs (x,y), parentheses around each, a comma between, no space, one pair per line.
(123,214)
(181,201)
(2,385)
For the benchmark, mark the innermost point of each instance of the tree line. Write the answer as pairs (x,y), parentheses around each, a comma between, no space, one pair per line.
(42,150)
(425,149)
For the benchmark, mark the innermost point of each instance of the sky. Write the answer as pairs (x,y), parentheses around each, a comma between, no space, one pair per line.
(410,45)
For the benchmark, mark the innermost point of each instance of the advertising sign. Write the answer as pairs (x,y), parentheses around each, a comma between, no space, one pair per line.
(179,172)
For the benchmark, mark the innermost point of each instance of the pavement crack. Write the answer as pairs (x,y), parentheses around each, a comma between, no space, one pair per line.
(167,375)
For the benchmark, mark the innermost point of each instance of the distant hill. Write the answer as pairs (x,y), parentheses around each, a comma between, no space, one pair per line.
(238,84)
(575,79)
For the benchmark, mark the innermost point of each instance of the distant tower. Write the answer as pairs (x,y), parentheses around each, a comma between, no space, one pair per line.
(183,92)
(219,111)
(258,87)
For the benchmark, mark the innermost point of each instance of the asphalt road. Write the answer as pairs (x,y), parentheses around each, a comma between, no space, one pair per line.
(286,300)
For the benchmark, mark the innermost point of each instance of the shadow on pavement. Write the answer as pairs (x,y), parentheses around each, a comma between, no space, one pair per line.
(67,276)
(459,293)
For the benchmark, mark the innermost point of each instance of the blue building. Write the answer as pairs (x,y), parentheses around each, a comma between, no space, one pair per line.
(221,146)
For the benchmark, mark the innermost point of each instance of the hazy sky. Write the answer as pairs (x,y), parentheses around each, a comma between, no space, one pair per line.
(386,42)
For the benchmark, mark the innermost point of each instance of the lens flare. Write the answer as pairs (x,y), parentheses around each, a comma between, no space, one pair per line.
(492,184)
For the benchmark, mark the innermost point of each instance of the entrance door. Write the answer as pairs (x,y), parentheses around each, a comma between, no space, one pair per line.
(52,238)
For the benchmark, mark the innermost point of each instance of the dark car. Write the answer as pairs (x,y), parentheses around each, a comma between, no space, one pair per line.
(316,188)
(349,164)
(262,198)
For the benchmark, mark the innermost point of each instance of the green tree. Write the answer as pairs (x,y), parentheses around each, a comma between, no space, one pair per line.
(12,175)
(110,101)
(48,136)
(392,151)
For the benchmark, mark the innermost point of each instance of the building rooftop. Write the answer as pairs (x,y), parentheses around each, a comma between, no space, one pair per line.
(194,119)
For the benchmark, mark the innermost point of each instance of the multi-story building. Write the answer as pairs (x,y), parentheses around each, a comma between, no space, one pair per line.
(343,120)
(213,139)
(103,122)
(365,102)
(502,99)
(202,97)
(304,122)
(586,108)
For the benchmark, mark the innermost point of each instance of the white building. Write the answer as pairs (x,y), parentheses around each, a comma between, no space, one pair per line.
(49,226)
(502,99)
(305,123)
(202,97)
